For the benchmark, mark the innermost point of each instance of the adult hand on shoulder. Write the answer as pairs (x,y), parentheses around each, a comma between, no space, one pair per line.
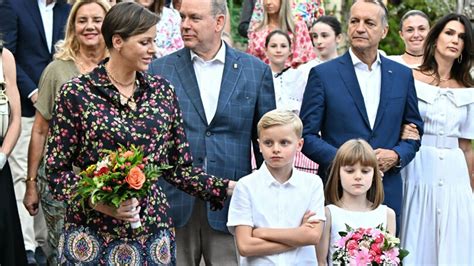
(386,159)
(31,198)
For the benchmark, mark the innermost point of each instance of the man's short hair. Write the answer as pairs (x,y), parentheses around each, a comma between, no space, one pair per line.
(280,117)
(382,5)
(218,7)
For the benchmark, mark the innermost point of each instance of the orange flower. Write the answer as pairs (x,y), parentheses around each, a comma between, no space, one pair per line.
(128,154)
(135,178)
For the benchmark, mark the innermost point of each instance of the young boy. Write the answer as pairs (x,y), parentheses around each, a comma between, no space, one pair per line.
(277,212)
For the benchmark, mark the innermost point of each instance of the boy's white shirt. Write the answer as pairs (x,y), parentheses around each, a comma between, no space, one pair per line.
(259,201)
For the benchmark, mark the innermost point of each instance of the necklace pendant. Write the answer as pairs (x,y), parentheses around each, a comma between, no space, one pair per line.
(123,100)
(132,104)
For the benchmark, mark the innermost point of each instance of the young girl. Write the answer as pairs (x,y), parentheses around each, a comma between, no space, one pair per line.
(289,84)
(354,192)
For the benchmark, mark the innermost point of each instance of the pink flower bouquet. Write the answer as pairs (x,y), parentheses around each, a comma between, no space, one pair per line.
(118,176)
(368,246)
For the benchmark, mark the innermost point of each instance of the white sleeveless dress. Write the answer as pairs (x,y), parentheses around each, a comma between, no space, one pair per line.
(438,211)
(355,219)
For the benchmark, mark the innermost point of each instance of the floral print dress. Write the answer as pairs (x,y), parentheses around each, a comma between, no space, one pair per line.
(89,117)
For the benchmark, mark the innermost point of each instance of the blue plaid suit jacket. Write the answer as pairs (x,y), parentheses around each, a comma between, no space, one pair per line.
(246,94)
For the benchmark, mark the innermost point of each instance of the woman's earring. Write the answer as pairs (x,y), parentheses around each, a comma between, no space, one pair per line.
(460,59)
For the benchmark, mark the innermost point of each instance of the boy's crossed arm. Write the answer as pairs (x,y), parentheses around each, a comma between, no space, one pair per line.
(269,241)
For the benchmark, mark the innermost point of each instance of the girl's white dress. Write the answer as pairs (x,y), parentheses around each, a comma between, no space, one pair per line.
(438,211)
(355,219)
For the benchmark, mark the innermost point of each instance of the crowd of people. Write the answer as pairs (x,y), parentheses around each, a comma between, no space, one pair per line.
(273,151)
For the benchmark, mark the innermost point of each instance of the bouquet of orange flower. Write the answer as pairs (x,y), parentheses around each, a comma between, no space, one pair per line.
(118,176)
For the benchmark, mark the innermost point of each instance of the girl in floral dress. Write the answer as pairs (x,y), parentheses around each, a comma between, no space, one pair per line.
(118,103)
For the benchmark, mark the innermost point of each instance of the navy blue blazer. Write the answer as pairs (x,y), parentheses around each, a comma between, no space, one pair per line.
(246,94)
(23,34)
(334,106)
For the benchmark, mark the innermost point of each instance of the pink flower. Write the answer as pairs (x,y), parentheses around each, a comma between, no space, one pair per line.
(341,243)
(357,236)
(392,255)
(362,257)
(352,245)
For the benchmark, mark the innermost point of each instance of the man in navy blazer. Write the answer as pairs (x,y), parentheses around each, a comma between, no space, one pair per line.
(207,73)
(363,95)
(30,28)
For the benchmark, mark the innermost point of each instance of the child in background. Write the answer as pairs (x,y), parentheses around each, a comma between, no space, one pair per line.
(275,213)
(355,193)
(289,84)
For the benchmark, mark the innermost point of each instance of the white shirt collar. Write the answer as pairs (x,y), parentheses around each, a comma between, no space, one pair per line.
(42,3)
(269,180)
(220,56)
(356,61)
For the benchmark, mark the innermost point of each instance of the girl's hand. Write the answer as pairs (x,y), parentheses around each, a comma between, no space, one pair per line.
(410,131)
(127,211)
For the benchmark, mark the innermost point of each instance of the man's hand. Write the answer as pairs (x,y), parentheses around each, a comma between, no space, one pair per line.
(230,187)
(308,219)
(31,198)
(386,159)
(34,97)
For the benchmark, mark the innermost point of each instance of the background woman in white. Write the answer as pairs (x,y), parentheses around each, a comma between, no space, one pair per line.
(414,26)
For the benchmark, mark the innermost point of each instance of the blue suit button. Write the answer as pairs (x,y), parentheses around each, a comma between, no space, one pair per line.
(208,133)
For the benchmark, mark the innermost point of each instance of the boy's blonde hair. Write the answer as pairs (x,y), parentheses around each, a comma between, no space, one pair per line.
(280,118)
(352,152)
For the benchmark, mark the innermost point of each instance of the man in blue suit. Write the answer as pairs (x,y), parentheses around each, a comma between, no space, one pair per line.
(362,95)
(222,93)
(30,29)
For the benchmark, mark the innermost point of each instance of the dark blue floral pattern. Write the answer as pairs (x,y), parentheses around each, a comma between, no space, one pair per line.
(89,117)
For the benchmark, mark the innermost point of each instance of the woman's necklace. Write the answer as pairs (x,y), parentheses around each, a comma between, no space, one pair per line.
(124,99)
(414,55)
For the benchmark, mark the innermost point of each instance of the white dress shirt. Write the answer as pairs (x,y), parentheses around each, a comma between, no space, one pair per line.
(370,81)
(47,18)
(259,200)
(209,79)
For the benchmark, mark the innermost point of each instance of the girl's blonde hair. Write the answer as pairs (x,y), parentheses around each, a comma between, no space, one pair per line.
(285,17)
(352,152)
(68,48)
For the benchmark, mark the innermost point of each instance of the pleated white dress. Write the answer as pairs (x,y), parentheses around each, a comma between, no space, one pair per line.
(438,211)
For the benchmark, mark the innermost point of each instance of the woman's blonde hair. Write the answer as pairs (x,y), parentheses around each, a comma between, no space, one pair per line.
(285,17)
(68,48)
(352,152)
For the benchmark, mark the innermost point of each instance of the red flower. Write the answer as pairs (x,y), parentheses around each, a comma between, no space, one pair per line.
(103,170)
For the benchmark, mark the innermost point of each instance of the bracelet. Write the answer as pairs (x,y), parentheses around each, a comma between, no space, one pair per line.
(30,179)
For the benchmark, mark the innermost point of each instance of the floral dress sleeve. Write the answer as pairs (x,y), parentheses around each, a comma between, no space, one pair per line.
(302,47)
(256,43)
(63,143)
(184,176)
(168,35)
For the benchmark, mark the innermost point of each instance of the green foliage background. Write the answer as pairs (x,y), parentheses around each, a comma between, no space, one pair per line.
(392,44)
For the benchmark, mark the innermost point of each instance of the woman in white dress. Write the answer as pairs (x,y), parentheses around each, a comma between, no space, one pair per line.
(414,26)
(438,213)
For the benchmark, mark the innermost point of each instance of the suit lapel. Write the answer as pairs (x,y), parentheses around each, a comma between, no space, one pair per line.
(32,7)
(58,18)
(386,86)
(185,70)
(232,69)
(349,77)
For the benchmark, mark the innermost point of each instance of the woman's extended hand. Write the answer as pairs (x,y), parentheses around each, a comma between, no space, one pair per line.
(127,211)
(409,131)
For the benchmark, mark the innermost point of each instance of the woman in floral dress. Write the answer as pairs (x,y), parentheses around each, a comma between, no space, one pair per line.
(118,103)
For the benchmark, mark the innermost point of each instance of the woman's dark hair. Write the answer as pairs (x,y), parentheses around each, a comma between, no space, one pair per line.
(332,21)
(461,66)
(275,32)
(411,13)
(127,19)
